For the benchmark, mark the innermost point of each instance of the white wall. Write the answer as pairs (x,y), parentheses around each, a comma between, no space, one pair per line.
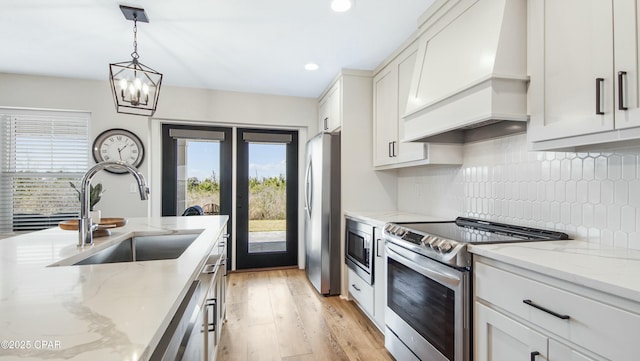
(590,196)
(176,105)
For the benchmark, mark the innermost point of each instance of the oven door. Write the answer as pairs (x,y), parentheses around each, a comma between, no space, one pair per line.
(427,309)
(358,242)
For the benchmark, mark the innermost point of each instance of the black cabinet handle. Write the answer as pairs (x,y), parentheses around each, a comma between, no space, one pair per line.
(599,82)
(393,149)
(621,76)
(356,287)
(378,247)
(389,149)
(326,123)
(530,303)
(534,354)
(212,302)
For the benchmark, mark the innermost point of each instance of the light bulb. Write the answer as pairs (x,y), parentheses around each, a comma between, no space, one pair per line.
(132,89)
(145,89)
(340,6)
(138,83)
(123,84)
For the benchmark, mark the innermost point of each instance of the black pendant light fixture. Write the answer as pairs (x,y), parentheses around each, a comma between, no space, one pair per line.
(135,86)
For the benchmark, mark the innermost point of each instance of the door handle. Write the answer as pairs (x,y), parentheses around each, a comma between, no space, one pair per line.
(599,83)
(621,77)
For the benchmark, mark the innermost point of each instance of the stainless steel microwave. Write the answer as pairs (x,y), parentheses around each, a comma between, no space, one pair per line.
(359,248)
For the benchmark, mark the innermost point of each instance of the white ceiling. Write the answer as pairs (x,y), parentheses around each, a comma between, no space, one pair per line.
(239,45)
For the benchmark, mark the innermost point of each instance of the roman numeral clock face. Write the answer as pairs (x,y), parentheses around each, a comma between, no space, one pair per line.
(118,145)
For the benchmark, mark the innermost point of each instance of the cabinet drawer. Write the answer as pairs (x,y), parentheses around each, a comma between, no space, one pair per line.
(603,329)
(361,291)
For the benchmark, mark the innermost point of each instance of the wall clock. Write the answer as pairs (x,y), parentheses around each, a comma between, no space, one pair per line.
(118,145)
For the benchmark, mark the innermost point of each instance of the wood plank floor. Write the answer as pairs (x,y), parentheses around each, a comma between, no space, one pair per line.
(278,315)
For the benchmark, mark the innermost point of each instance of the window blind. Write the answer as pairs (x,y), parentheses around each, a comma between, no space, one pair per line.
(41,152)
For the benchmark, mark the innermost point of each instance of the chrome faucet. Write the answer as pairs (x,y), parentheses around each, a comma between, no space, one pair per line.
(85,224)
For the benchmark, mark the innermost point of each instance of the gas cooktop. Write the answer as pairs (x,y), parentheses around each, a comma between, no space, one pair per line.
(446,241)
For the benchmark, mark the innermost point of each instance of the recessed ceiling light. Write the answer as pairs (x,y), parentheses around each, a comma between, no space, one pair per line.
(311,66)
(340,6)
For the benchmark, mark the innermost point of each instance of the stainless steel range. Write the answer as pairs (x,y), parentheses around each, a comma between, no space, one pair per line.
(428,314)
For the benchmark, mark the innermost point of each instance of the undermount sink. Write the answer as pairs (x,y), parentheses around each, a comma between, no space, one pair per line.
(142,248)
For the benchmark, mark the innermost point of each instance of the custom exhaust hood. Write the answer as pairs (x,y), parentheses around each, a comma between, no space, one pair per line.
(469,82)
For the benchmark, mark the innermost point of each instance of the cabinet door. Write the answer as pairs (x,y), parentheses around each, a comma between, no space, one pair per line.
(335,107)
(560,352)
(500,338)
(330,109)
(406,152)
(385,117)
(571,47)
(323,115)
(627,55)
(379,278)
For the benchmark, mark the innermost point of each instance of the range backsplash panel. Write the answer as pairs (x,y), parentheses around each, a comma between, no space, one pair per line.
(590,196)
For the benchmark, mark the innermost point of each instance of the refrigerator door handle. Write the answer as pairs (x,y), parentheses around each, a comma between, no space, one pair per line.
(308,189)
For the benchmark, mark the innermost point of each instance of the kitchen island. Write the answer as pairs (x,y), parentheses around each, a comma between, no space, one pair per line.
(51,309)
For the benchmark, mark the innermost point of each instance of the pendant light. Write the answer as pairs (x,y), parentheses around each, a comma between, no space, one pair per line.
(135,86)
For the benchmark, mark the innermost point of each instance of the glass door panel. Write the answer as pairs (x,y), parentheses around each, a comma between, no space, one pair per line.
(267,197)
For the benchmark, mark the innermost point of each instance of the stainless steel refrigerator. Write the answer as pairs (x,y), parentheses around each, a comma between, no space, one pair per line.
(322,213)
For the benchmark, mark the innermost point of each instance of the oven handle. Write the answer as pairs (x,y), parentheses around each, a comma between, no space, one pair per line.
(441,277)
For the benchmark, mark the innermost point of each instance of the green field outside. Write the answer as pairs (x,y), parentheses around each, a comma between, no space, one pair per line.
(267,225)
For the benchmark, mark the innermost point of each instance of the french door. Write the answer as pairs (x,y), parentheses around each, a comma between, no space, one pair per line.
(266,200)
(196,170)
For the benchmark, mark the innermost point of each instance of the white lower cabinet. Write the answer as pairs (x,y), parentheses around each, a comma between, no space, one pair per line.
(372,298)
(500,338)
(523,315)
(361,292)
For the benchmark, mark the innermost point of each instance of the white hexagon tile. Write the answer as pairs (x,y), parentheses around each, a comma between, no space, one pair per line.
(590,196)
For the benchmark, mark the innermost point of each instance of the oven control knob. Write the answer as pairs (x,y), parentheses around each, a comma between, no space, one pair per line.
(446,246)
(435,243)
(400,232)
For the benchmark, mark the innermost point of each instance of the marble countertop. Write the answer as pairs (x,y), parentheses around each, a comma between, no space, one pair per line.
(381,217)
(115,311)
(612,270)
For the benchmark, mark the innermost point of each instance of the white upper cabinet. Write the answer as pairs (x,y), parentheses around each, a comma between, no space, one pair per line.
(390,93)
(583,62)
(330,109)
(470,68)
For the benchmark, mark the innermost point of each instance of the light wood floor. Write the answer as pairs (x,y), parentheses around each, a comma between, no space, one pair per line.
(278,315)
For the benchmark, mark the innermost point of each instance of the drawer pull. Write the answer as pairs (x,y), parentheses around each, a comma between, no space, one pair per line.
(534,354)
(530,303)
(356,287)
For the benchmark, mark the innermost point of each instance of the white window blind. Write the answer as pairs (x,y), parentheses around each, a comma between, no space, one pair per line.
(41,152)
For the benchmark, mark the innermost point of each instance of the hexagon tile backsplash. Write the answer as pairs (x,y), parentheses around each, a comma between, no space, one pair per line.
(590,196)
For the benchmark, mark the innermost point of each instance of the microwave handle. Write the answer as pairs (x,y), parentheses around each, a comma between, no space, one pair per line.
(378,247)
